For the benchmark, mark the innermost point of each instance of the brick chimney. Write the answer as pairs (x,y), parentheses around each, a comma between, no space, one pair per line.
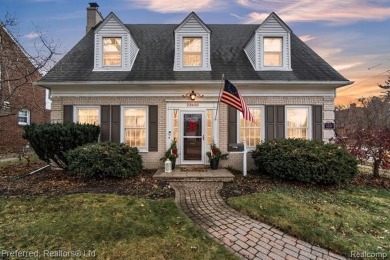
(93,16)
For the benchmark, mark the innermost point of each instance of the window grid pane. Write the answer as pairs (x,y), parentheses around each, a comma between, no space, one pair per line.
(192,52)
(297,122)
(209,126)
(112,51)
(249,130)
(23,117)
(135,127)
(273,51)
(88,116)
(176,126)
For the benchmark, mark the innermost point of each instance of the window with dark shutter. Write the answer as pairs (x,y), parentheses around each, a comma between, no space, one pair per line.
(153,128)
(317,122)
(274,122)
(68,113)
(105,123)
(232,125)
(115,124)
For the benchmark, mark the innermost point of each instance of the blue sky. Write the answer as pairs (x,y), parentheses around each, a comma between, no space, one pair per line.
(352,35)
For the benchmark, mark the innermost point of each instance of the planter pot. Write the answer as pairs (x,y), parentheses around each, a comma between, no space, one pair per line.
(173,163)
(214,164)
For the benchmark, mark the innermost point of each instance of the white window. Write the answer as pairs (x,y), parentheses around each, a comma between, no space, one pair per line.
(87,115)
(192,51)
(273,51)
(252,132)
(112,51)
(24,117)
(135,124)
(298,123)
(209,127)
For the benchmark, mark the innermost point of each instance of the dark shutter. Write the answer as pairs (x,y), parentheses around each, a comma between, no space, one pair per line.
(280,129)
(269,122)
(68,113)
(232,125)
(153,128)
(274,122)
(317,122)
(105,115)
(115,124)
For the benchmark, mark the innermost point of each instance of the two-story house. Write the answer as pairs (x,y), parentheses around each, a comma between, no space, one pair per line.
(146,84)
(21,103)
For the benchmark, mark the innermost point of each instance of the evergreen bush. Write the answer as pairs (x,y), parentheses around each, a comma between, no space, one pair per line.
(305,161)
(52,141)
(105,160)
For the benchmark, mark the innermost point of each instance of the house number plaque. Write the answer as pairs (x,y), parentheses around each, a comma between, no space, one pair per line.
(192,104)
(329,125)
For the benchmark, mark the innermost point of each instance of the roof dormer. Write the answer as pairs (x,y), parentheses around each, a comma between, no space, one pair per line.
(115,48)
(192,45)
(269,47)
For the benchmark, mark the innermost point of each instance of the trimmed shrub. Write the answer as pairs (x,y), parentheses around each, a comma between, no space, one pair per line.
(52,141)
(104,160)
(305,161)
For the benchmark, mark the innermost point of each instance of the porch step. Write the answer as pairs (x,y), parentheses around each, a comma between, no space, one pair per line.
(194,174)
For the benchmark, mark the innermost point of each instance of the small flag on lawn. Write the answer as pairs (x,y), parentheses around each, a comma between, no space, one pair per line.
(231,97)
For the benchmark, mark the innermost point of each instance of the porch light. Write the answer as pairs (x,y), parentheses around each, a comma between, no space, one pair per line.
(192,95)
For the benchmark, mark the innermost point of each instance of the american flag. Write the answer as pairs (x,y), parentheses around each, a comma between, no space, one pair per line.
(231,97)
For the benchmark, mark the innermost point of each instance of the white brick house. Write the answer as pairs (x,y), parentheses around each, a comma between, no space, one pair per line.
(135,81)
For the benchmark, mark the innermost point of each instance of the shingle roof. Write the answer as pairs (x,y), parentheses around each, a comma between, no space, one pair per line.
(156,57)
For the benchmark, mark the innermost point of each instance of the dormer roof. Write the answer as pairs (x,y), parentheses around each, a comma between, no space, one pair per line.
(192,22)
(269,23)
(111,18)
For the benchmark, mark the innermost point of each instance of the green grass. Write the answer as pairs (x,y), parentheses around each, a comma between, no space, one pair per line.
(15,161)
(351,219)
(111,226)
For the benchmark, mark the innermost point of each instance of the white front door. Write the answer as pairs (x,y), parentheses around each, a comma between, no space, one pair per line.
(192,137)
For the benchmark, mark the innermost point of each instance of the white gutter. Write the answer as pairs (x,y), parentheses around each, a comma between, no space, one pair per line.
(193,82)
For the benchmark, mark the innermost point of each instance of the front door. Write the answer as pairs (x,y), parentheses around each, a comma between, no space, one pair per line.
(193,137)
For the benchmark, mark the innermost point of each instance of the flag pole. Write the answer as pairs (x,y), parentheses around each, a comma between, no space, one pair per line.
(219,97)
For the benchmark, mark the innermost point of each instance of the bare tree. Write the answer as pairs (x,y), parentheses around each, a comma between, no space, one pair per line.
(19,69)
(365,131)
(386,87)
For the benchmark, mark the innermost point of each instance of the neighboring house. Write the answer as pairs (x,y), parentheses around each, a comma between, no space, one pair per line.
(21,103)
(136,80)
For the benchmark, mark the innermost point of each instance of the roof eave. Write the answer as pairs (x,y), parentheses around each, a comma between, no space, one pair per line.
(337,84)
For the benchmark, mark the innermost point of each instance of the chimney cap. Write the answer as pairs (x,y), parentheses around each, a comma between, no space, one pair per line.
(93,5)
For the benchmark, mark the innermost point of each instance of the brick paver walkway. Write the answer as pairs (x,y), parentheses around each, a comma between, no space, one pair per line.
(248,238)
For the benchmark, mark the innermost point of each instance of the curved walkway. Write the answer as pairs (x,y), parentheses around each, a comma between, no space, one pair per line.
(248,238)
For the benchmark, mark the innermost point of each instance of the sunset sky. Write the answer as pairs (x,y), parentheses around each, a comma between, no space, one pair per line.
(351,35)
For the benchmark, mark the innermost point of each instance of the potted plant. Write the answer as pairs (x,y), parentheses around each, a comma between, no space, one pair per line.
(171,153)
(215,155)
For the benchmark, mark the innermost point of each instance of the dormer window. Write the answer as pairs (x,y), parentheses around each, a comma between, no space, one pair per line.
(269,47)
(115,47)
(192,51)
(273,51)
(192,45)
(112,51)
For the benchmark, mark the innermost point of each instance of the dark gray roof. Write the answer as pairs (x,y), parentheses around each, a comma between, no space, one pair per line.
(156,57)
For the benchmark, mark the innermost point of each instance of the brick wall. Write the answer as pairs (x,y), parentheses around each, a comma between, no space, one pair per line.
(17,75)
(151,159)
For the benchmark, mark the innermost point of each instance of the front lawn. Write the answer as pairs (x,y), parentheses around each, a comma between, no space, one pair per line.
(353,218)
(103,226)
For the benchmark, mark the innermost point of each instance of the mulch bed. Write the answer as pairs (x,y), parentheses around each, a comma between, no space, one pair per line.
(15,181)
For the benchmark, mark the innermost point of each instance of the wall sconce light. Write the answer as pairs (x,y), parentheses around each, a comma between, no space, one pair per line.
(192,95)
